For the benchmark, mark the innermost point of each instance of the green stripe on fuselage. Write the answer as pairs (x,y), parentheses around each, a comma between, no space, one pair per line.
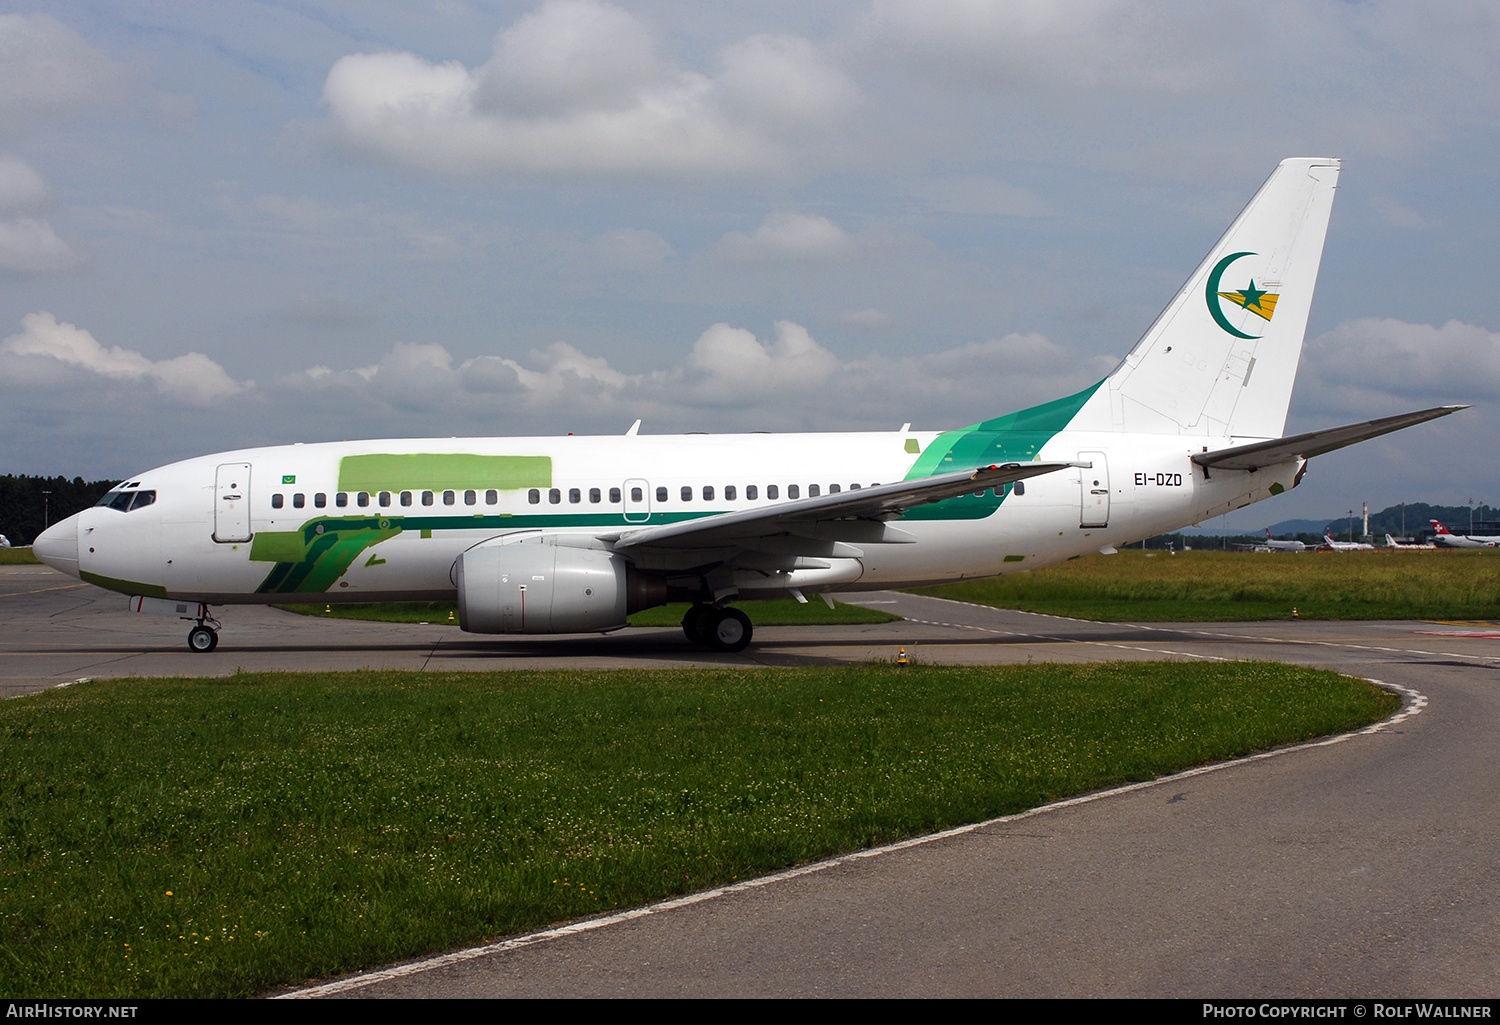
(443,471)
(313,557)
(1013,438)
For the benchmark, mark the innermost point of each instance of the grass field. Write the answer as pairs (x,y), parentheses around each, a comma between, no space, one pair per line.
(762,613)
(1240,586)
(18,557)
(224,837)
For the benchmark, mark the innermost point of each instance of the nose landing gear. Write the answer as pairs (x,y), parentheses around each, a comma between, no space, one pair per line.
(204,637)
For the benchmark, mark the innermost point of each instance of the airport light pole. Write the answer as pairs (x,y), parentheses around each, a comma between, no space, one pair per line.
(46,510)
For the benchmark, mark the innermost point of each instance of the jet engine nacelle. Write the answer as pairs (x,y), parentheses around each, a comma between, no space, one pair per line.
(539,587)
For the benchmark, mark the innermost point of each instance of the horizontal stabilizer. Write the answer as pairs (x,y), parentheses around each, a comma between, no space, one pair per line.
(883,502)
(1305,446)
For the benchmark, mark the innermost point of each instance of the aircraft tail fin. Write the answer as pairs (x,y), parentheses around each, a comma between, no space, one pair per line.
(1438,528)
(1220,360)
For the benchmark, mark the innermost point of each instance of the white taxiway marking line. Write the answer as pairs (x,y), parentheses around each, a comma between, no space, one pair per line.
(1413,704)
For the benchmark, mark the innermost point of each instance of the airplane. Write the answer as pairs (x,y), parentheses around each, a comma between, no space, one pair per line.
(1282,546)
(1443,539)
(571,534)
(1391,542)
(1346,546)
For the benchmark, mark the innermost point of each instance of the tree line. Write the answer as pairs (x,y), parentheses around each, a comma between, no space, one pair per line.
(26,505)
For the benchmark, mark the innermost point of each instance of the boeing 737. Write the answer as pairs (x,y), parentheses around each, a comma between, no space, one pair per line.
(572,534)
(1443,539)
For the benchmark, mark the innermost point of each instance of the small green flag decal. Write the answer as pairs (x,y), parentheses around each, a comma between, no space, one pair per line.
(288,478)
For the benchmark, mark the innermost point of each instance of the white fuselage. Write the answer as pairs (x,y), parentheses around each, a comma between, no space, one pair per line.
(410,536)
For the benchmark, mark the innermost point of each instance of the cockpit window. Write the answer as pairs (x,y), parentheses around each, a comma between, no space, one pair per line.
(124,501)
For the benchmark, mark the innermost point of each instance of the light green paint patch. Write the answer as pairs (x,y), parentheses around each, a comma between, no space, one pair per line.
(1015,558)
(427,535)
(1276,488)
(277,546)
(440,471)
(123,586)
(374,560)
(912,446)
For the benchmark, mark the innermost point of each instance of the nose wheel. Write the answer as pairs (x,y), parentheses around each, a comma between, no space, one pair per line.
(203,638)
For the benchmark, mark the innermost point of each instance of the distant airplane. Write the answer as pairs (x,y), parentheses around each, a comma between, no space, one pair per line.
(1347,546)
(4,541)
(1391,542)
(1283,546)
(572,534)
(1444,539)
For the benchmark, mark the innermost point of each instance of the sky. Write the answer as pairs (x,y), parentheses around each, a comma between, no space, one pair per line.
(247,223)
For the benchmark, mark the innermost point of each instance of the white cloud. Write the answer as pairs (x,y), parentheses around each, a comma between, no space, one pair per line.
(730,365)
(576,86)
(1405,363)
(29,245)
(47,70)
(44,346)
(787,235)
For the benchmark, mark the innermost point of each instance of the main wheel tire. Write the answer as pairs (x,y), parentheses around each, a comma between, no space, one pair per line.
(202,639)
(695,623)
(728,630)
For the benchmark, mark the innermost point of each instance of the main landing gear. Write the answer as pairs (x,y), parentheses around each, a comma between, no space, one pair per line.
(722,629)
(204,637)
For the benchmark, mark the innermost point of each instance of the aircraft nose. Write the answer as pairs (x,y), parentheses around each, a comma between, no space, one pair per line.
(57,546)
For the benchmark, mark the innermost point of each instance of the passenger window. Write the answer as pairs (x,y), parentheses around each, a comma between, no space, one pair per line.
(812,491)
(614,495)
(687,493)
(853,487)
(385,499)
(594,496)
(449,498)
(708,493)
(752,492)
(772,492)
(1019,487)
(320,500)
(364,500)
(729,492)
(341,499)
(534,496)
(554,496)
(406,498)
(636,494)
(299,500)
(661,494)
(491,497)
(470,498)
(276,501)
(834,489)
(792,491)
(575,496)
(427,498)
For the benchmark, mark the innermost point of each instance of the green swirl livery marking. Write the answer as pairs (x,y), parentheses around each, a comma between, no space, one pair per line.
(1013,438)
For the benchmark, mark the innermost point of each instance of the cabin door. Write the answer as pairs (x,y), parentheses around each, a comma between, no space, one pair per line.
(232,503)
(637,501)
(1094,486)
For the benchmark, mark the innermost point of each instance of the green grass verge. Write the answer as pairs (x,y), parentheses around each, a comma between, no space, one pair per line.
(223,837)
(1223,587)
(785,612)
(18,557)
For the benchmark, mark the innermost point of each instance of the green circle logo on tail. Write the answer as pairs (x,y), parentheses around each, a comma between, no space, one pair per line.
(1257,300)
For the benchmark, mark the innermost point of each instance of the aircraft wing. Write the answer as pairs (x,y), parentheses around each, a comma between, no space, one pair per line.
(1305,446)
(849,515)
